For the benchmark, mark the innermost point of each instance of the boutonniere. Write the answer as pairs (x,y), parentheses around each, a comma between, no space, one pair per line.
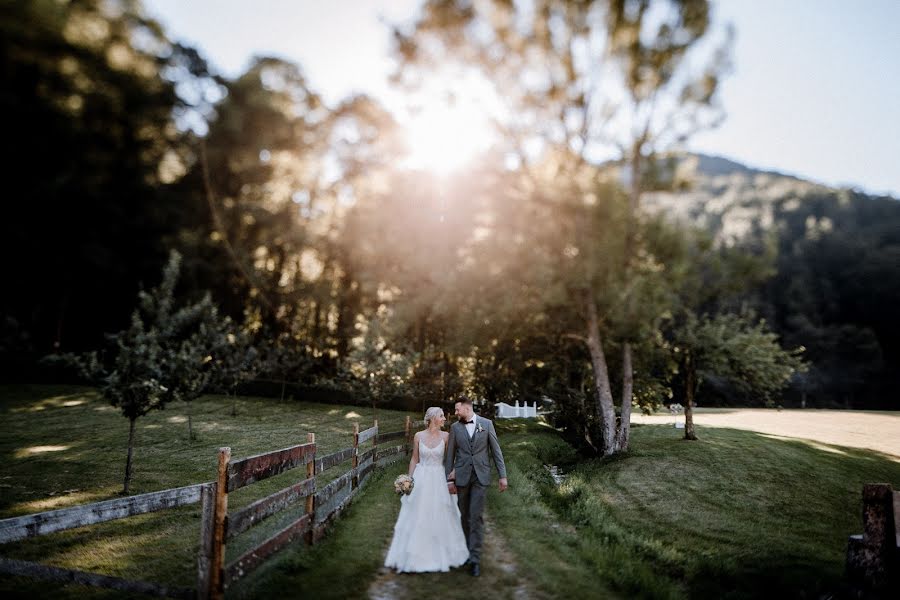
(479,428)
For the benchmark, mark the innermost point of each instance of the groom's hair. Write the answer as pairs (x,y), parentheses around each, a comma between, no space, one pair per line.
(464,400)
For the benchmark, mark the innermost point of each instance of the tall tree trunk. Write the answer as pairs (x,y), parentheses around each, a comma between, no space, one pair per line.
(624,433)
(690,386)
(348,305)
(190,423)
(419,334)
(317,323)
(604,409)
(130,454)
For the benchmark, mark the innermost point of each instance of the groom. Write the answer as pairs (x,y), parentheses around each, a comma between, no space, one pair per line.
(472,443)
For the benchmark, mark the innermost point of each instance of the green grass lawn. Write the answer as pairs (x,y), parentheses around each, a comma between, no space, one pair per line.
(64,446)
(736,514)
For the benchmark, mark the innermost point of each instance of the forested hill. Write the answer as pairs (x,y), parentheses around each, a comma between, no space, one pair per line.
(837,287)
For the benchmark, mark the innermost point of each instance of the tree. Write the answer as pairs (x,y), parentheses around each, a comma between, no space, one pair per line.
(554,64)
(235,361)
(158,359)
(382,371)
(188,364)
(736,347)
(92,90)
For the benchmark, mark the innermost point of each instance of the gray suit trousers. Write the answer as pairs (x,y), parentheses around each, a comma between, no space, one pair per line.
(470,499)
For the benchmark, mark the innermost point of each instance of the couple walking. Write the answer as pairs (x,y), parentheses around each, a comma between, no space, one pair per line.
(440,525)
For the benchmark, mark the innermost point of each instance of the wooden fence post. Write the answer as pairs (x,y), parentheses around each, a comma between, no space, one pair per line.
(217,565)
(354,482)
(375,443)
(872,557)
(311,499)
(408,429)
(205,558)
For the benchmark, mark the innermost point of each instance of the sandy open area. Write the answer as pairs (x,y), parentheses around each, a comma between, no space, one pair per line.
(873,430)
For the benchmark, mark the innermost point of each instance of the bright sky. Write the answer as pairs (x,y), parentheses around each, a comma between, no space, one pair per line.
(815,91)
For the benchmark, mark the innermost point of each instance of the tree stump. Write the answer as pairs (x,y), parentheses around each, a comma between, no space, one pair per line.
(873,560)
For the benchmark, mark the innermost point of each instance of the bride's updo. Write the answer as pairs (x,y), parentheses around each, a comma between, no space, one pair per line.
(434,411)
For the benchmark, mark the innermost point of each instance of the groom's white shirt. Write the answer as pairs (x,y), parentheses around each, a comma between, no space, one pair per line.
(470,427)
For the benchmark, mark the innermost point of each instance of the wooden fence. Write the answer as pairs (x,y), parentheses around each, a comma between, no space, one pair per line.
(218,526)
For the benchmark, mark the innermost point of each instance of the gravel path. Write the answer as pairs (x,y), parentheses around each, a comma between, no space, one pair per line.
(500,577)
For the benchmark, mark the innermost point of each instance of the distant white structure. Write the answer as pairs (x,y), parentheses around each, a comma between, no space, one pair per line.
(505,411)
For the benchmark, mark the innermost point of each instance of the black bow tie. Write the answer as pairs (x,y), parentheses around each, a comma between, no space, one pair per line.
(467,422)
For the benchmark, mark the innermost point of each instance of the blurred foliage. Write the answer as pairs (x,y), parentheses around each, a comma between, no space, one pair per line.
(334,268)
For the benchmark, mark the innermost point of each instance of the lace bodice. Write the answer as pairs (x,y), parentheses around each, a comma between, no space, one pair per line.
(431,457)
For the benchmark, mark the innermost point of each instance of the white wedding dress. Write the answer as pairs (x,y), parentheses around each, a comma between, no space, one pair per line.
(428,535)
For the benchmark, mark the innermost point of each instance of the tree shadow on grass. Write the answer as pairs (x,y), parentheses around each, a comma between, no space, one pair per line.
(735,514)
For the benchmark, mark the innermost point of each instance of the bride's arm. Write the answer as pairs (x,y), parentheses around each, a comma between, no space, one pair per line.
(452,473)
(415,455)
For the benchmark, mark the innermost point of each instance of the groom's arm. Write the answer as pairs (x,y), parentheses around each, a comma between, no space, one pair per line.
(497,455)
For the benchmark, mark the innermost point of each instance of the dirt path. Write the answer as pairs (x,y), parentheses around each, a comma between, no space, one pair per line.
(500,577)
(872,430)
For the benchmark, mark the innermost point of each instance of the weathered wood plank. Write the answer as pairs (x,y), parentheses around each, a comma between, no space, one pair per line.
(333,487)
(241,520)
(217,566)
(46,572)
(253,558)
(897,517)
(386,452)
(335,458)
(28,526)
(365,471)
(321,527)
(256,468)
(389,460)
(207,531)
(368,434)
(387,437)
(367,455)
(311,499)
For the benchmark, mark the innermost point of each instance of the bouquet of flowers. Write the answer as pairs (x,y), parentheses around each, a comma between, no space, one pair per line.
(404,484)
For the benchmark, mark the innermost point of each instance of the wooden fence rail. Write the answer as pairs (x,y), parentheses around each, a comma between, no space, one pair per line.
(335,458)
(323,505)
(245,518)
(46,572)
(18,528)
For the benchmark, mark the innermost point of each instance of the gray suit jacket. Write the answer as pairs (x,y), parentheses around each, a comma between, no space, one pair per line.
(472,456)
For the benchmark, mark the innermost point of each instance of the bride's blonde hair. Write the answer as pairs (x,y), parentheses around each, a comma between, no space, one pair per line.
(434,411)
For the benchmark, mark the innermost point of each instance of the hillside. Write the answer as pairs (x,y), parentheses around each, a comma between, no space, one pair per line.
(838,269)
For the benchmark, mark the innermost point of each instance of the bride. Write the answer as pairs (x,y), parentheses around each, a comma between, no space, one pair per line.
(428,535)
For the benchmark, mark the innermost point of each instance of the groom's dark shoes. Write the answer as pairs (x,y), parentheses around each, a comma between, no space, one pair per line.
(476,570)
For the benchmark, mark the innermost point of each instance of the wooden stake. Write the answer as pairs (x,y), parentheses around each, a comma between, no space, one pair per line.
(311,499)
(408,429)
(375,441)
(355,462)
(207,527)
(217,566)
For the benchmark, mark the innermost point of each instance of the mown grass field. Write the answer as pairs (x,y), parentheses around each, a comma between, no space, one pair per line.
(738,514)
(63,446)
